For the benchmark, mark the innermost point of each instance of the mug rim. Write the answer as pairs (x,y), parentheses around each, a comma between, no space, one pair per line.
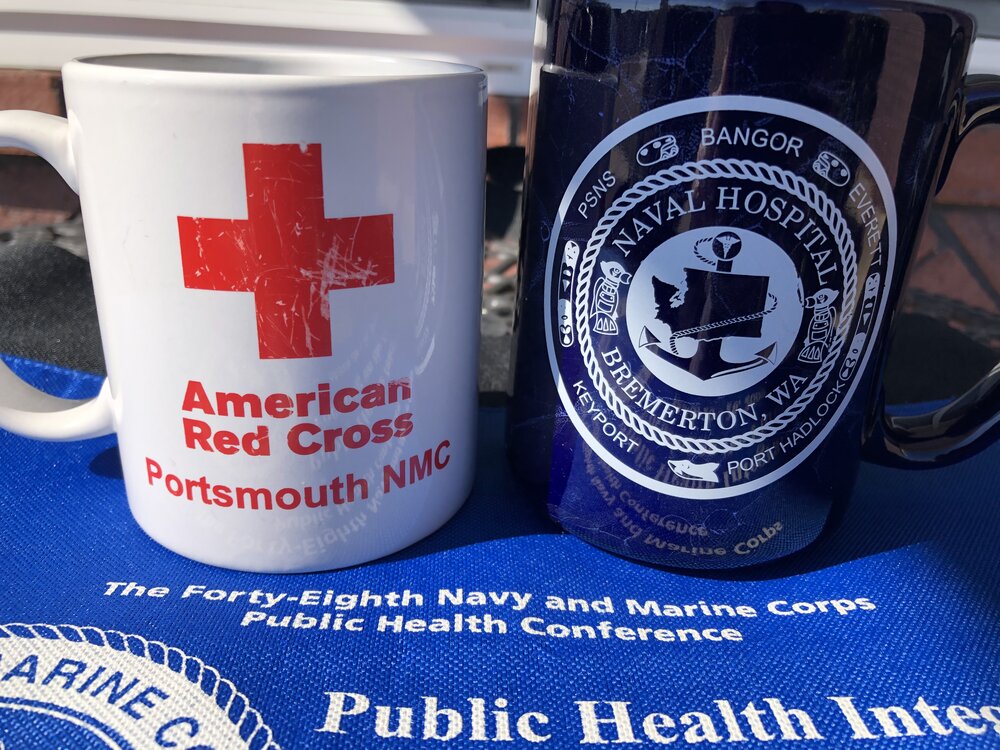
(274,68)
(856,6)
(913,6)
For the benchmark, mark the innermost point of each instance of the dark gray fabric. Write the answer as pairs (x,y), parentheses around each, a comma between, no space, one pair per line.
(47,306)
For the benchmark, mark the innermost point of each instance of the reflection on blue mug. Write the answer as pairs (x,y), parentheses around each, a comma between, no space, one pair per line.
(721,204)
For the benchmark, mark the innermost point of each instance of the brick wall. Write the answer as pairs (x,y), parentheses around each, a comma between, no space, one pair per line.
(30,191)
(956,275)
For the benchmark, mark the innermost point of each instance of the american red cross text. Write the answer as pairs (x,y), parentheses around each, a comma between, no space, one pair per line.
(286,252)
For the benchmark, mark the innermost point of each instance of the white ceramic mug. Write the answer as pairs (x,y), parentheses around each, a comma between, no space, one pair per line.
(287,260)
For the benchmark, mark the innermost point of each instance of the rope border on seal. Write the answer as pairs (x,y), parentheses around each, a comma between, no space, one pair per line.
(222,691)
(714,169)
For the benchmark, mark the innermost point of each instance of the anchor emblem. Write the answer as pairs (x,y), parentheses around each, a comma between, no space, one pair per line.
(711,306)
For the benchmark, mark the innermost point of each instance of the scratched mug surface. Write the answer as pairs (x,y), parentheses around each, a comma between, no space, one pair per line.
(722,199)
(286,254)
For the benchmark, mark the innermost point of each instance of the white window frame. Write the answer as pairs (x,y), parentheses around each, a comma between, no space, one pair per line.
(47,33)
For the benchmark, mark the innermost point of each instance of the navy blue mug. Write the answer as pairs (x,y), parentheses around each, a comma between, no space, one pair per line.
(722,199)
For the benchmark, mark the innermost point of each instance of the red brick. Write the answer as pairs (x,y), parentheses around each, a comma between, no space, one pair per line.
(521,114)
(946,275)
(497,122)
(32,192)
(928,245)
(979,233)
(974,179)
(507,121)
(40,90)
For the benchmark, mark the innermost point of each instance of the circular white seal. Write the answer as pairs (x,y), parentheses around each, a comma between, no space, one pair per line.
(709,320)
(83,688)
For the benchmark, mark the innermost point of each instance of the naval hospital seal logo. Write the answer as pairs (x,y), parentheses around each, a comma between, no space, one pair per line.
(716,276)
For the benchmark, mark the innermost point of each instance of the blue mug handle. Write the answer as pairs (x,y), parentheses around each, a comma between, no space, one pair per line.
(972,421)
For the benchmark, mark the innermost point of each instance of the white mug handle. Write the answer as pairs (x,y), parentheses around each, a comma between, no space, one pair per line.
(26,410)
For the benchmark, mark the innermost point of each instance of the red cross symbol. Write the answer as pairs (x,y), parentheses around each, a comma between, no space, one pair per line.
(286,252)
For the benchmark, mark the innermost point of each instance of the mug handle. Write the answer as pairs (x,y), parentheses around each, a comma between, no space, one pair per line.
(26,410)
(972,421)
